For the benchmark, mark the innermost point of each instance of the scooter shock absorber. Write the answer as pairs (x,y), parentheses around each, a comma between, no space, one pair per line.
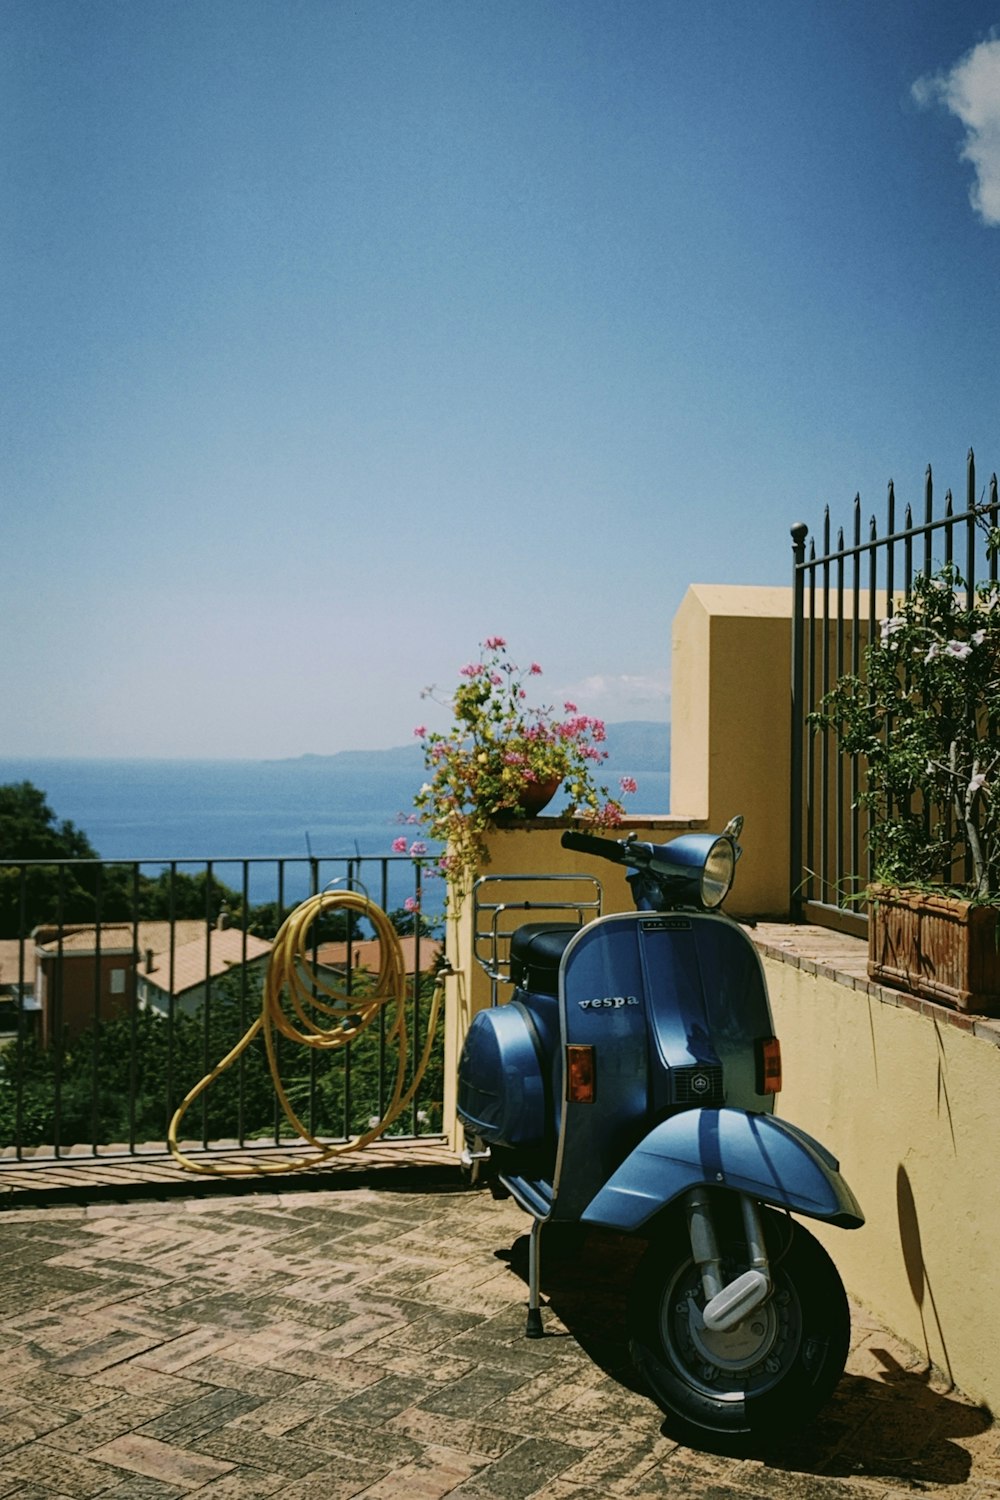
(704,1243)
(726,1305)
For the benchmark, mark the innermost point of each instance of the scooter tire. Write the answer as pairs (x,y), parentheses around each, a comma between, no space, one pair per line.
(740,1392)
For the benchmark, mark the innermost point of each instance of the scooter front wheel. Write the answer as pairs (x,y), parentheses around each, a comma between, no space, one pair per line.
(740,1389)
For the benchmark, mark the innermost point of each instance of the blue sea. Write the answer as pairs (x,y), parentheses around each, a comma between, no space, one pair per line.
(332,807)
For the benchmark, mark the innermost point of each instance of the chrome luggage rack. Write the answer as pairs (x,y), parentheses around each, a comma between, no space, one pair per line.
(491,940)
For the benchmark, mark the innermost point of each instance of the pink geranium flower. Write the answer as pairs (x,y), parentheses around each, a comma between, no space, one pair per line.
(497,745)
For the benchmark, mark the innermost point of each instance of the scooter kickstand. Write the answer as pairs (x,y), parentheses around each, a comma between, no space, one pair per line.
(533,1328)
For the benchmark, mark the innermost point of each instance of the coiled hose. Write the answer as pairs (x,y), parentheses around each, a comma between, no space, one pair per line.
(342,1017)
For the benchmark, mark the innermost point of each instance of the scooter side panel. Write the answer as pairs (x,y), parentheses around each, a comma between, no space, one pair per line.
(602,1005)
(749,1153)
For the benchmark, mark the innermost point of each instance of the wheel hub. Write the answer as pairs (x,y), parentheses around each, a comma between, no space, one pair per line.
(738,1348)
(730,1364)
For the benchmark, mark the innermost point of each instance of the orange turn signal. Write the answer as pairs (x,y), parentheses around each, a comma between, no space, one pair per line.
(768,1065)
(581,1074)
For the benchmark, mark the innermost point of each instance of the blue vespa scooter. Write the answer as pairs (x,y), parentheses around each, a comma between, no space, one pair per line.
(629,1082)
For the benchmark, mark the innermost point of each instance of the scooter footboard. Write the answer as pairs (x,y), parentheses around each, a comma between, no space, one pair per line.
(759,1155)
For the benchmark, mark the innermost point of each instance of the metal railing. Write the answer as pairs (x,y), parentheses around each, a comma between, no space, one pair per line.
(841,590)
(122,983)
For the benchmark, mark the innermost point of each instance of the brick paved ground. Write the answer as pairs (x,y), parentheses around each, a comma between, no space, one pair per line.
(368,1341)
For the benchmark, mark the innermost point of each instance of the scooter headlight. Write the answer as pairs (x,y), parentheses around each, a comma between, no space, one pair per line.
(718,872)
(696,868)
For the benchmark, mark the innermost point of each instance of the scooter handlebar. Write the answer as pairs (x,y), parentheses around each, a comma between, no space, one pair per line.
(589,843)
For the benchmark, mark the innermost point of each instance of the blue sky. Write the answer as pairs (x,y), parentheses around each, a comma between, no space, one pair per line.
(339,336)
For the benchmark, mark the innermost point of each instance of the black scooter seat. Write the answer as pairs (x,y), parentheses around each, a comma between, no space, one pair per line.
(535,952)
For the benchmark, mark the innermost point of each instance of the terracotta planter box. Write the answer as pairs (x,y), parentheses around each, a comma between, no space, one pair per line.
(937,947)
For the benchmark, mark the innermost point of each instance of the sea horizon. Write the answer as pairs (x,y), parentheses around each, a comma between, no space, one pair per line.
(338,807)
(410,751)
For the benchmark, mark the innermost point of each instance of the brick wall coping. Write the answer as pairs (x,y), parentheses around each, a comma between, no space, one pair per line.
(834,955)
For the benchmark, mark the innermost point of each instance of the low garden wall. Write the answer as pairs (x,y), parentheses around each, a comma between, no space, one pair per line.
(906,1096)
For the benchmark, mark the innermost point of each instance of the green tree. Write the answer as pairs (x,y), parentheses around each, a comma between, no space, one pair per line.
(155,1061)
(332,926)
(30,830)
(173,894)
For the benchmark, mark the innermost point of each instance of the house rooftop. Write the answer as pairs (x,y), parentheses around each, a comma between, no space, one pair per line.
(17,959)
(124,937)
(213,953)
(84,940)
(367,954)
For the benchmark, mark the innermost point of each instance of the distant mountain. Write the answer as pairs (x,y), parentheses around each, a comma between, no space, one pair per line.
(403,756)
(635,745)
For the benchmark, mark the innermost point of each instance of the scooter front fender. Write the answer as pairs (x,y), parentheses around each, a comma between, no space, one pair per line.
(755,1154)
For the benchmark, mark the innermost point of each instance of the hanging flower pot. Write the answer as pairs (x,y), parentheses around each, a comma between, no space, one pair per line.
(503,760)
(532,798)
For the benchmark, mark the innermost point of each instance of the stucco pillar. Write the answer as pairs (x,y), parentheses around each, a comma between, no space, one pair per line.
(730,729)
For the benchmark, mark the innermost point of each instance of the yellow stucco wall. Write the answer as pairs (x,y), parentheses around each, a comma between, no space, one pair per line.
(730,746)
(909,1105)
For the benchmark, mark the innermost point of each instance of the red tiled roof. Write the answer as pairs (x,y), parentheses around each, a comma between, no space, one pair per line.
(366,955)
(10,961)
(193,961)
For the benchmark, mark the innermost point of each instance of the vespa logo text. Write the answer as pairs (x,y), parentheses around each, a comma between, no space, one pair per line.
(609,1002)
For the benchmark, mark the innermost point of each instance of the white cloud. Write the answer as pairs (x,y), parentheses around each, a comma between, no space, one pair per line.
(971,91)
(621,696)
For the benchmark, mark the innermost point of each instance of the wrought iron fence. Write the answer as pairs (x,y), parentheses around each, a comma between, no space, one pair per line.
(122,983)
(841,590)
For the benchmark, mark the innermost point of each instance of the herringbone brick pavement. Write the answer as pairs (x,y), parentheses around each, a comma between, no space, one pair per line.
(366,1341)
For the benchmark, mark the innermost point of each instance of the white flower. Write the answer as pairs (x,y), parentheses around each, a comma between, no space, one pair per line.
(958,649)
(977,783)
(978,637)
(934,651)
(889,627)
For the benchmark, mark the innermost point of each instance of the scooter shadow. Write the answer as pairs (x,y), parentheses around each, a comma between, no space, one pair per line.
(891,1425)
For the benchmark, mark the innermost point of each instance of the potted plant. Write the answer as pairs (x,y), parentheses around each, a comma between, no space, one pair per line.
(502,759)
(925,719)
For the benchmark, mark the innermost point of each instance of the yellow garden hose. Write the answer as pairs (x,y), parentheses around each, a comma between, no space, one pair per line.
(341,1017)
